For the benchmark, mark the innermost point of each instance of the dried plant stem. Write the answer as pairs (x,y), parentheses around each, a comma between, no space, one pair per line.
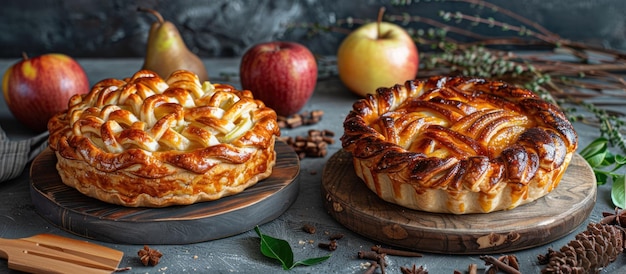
(511,14)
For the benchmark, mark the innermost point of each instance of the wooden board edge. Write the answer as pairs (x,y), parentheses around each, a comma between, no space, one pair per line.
(431,240)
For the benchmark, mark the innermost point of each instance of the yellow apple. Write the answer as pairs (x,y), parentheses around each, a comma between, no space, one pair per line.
(377,54)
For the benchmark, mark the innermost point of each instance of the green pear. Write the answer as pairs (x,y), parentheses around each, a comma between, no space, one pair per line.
(166,51)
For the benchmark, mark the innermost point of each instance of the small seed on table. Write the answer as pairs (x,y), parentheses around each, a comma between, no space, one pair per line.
(308,228)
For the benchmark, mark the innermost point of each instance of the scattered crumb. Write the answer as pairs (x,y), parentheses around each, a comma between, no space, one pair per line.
(304,242)
(365,265)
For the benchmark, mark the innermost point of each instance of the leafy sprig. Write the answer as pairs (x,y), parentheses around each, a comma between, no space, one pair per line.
(605,165)
(280,250)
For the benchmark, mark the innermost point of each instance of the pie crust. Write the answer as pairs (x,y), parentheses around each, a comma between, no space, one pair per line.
(458,145)
(145,141)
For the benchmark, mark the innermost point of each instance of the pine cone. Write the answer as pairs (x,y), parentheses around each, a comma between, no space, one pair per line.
(592,249)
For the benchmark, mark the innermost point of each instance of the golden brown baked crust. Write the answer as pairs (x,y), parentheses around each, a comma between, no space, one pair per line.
(458,145)
(149,142)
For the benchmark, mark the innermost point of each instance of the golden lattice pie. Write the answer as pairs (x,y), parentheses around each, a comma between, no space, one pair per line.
(458,145)
(153,142)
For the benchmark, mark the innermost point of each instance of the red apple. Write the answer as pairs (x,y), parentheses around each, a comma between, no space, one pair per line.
(377,54)
(281,74)
(35,89)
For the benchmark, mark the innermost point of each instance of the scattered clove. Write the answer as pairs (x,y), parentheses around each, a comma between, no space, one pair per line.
(336,236)
(331,246)
(308,228)
(369,255)
(373,256)
(300,119)
(315,144)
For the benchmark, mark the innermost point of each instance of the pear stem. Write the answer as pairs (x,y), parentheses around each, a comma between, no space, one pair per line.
(381,11)
(153,12)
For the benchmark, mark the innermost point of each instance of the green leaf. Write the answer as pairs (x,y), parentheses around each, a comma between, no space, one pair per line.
(313,261)
(280,250)
(618,191)
(620,161)
(599,145)
(276,249)
(609,159)
(599,157)
(596,160)
(601,177)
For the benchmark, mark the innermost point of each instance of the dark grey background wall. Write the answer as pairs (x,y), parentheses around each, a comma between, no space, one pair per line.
(223,28)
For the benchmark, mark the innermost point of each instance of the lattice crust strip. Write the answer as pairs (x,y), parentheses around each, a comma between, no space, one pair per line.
(146,120)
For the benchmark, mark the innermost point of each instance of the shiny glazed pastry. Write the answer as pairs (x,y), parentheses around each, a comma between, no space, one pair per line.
(458,145)
(152,142)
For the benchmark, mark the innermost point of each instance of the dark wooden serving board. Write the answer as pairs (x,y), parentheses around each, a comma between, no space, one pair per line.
(351,203)
(72,211)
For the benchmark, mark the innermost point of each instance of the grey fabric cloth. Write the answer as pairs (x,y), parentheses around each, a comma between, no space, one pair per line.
(15,155)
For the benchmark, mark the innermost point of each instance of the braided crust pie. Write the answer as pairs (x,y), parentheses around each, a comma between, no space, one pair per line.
(145,141)
(458,145)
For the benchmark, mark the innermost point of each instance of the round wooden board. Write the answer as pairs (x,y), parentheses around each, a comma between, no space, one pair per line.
(74,212)
(351,203)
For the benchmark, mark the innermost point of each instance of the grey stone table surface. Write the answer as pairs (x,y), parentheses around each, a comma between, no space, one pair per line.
(240,253)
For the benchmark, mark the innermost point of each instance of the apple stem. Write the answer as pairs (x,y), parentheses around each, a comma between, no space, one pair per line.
(379,20)
(153,12)
(24,56)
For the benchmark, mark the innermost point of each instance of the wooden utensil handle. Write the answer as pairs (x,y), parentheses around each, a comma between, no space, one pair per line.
(47,253)
(4,248)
